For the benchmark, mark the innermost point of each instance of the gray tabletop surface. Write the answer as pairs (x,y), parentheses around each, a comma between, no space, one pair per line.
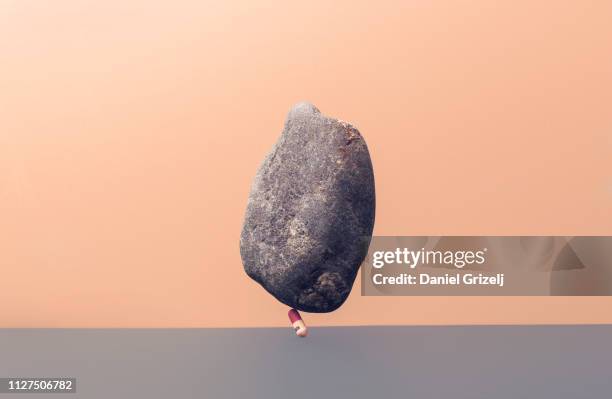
(347,362)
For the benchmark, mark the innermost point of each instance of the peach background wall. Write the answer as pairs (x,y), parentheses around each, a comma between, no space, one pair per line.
(130,132)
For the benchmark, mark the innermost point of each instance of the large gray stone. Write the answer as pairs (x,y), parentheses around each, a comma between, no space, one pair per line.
(310,213)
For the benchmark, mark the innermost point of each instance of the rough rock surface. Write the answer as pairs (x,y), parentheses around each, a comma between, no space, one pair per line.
(310,213)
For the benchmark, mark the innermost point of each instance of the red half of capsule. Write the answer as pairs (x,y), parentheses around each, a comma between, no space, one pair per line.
(294,316)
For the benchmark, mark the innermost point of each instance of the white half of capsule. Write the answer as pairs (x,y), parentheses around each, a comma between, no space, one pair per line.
(300,328)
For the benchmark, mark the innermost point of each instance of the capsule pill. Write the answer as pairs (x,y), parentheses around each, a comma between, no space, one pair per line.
(297,323)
